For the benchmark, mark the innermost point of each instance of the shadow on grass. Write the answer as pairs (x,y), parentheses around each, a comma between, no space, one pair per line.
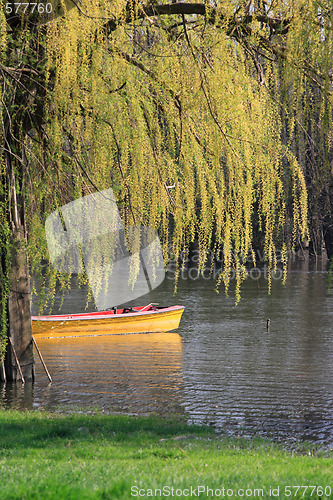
(37,430)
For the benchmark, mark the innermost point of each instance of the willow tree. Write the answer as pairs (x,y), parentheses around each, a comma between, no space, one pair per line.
(182,108)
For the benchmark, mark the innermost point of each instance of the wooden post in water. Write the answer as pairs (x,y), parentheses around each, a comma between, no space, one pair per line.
(268,324)
(41,358)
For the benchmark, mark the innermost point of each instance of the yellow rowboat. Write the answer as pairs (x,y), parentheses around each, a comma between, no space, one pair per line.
(146,319)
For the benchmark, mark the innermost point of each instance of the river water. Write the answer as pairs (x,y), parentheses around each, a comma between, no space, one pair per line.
(222,368)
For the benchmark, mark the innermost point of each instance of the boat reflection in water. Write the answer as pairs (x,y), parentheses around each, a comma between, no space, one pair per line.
(132,373)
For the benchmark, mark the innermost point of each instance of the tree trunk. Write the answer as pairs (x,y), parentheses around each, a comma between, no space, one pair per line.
(328,220)
(20,329)
(19,356)
(328,237)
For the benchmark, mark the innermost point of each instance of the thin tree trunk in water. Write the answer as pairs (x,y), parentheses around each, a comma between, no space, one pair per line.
(19,310)
(19,313)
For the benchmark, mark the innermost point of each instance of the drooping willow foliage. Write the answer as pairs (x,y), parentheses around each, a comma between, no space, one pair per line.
(196,117)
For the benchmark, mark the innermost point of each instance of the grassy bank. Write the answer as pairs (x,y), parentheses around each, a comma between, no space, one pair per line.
(118,457)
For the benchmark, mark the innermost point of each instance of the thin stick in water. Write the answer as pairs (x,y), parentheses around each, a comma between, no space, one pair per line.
(42,360)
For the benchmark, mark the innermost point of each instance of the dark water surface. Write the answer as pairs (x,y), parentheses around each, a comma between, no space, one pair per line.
(222,367)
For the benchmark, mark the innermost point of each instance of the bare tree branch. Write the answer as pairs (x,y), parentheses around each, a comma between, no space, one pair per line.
(276,24)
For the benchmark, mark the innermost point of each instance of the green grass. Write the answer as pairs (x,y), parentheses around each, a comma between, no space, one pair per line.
(75,456)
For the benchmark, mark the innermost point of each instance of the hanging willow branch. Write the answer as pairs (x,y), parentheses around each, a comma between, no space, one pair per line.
(176,85)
